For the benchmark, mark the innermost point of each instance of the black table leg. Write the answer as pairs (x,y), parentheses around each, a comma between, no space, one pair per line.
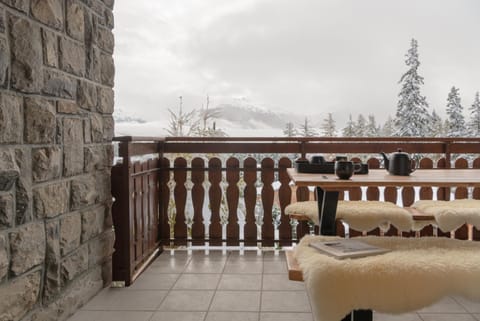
(327,209)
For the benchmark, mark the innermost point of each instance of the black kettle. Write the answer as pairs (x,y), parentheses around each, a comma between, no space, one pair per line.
(399,163)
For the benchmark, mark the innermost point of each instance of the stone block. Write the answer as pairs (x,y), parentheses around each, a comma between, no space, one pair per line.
(11,120)
(51,200)
(46,163)
(93,64)
(87,130)
(74,265)
(83,192)
(109,19)
(96,157)
(4,61)
(21,5)
(18,297)
(72,57)
(107,69)
(103,184)
(39,121)
(52,231)
(109,3)
(3,257)
(75,20)
(9,171)
(72,131)
(108,128)
(23,195)
(105,100)
(87,95)
(52,282)
(105,39)
(26,54)
(73,160)
(27,247)
(70,233)
(59,85)
(97,128)
(50,48)
(101,248)
(49,12)
(93,222)
(7,211)
(67,107)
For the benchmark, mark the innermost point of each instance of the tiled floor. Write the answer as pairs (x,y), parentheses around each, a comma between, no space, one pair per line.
(230,287)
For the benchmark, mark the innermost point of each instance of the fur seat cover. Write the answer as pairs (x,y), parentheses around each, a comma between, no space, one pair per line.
(450,215)
(360,215)
(417,273)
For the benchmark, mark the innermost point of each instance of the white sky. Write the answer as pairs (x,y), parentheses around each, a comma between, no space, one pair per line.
(305,56)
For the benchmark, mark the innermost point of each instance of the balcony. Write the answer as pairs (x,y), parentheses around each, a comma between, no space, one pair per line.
(213,209)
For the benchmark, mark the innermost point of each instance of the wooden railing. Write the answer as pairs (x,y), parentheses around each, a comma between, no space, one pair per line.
(233,191)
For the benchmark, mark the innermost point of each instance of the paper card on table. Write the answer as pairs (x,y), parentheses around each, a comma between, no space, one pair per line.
(347,248)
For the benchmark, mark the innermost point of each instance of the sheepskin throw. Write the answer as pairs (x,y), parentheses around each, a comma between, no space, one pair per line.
(360,215)
(450,215)
(415,274)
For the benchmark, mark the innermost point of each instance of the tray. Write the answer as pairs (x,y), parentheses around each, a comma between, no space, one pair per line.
(325,168)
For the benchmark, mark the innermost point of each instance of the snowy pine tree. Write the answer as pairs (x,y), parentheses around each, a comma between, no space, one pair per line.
(306,130)
(328,126)
(181,123)
(349,129)
(290,130)
(388,128)
(456,121)
(412,117)
(371,129)
(474,123)
(361,126)
(437,125)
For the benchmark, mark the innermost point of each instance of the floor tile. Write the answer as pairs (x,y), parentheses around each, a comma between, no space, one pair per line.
(396,317)
(236,301)
(240,282)
(197,282)
(168,264)
(247,256)
(470,306)
(213,255)
(83,315)
(274,256)
(285,316)
(244,266)
(177,316)
(285,301)
(477,316)
(446,317)
(121,299)
(446,305)
(275,282)
(205,266)
(187,301)
(232,316)
(274,267)
(154,281)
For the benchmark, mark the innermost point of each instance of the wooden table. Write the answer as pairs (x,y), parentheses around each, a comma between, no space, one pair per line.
(328,186)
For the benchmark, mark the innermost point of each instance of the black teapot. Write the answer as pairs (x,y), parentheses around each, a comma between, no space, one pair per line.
(399,163)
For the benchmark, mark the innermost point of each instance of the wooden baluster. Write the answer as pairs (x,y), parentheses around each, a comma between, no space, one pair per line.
(215,197)
(145,209)
(284,198)
(164,199)
(390,195)
(153,193)
(233,194)
(302,193)
(180,194)
(250,196)
(461,193)
(355,193)
(373,192)
(476,195)
(267,177)
(443,194)
(137,187)
(198,196)
(426,193)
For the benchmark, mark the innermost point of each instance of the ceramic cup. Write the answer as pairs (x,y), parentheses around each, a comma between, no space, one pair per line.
(317,159)
(345,169)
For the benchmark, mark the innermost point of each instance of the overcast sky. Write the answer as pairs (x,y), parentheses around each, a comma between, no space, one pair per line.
(306,56)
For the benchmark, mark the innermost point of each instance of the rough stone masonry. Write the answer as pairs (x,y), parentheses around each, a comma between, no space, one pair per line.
(56,127)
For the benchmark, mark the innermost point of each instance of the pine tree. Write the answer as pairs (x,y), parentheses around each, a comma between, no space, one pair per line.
(361,126)
(306,130)
(388,128)
(290,130)
(328,126)
(371,129)
(349,129)
(474,123)
(456,120)
(182,124)
(437,125)
(412,117)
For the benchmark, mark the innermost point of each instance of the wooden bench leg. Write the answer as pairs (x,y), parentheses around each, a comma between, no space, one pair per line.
(359,315)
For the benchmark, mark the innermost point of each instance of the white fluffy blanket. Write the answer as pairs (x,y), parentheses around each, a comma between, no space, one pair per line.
(360,215)
(417,273)
(450,215)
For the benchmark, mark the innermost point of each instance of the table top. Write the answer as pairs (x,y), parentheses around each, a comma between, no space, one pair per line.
(380,177)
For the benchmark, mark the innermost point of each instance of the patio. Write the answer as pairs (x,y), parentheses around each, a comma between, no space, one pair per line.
(217,287)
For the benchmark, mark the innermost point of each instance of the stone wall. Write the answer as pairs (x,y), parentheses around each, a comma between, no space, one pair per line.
(56,126)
